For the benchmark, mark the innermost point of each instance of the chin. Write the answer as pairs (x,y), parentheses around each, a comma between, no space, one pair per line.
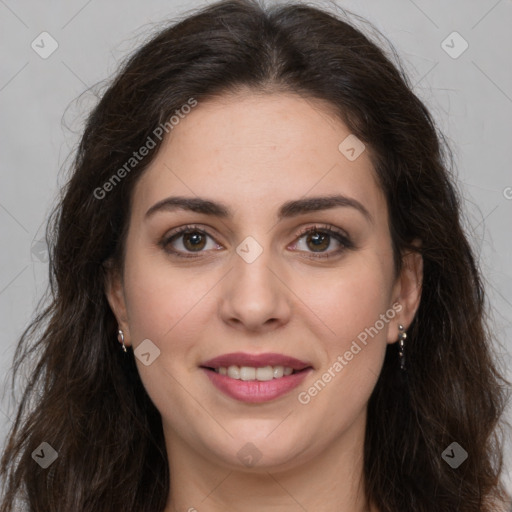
(256,449)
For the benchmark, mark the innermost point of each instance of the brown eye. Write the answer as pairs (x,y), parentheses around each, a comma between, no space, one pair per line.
(188,240)
(194,241)
(318,239)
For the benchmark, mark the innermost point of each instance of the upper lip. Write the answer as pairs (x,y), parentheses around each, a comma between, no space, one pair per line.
(255,360)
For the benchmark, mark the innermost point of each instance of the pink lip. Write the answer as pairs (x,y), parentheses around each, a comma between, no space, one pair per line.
(255,360)
(253,391)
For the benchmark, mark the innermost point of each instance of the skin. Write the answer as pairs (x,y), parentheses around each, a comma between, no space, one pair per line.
(254,152)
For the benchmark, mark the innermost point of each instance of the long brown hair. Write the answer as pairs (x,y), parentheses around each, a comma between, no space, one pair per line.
(84,396)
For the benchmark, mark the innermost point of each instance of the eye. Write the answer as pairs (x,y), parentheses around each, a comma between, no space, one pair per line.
(188,239)
(185,241)
(319,238)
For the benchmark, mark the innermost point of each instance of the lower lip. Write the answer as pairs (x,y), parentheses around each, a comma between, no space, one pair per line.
(255,391)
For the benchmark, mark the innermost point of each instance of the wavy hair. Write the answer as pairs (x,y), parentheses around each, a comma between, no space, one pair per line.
(84,396)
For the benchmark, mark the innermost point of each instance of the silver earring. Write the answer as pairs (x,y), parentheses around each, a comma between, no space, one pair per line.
(120,337)
(402,336)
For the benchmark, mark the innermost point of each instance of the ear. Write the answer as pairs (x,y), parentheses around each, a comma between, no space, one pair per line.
(407,292)
(114,290)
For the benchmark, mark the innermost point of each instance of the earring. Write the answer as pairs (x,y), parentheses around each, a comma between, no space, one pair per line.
(120,338)
(402,335)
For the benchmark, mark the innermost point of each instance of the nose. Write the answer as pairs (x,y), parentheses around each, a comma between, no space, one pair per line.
(255,296)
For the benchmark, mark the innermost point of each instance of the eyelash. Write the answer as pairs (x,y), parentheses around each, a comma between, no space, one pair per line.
(324,229)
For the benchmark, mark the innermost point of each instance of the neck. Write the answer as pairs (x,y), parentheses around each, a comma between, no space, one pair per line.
(331,481)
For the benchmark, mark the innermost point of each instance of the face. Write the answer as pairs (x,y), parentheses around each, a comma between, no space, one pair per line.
(269,274)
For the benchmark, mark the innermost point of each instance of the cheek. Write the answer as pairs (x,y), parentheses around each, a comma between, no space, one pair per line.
(358,302)
(356,309)
(353,355)
(170,310)
(162,305)
(350,301)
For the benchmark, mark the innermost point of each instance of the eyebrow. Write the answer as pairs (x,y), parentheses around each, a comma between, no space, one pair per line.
(287,210)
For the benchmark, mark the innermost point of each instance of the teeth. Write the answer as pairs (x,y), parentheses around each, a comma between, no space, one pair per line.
(251,373)
(265,373)
(234,372)
(247,373)
(278,372)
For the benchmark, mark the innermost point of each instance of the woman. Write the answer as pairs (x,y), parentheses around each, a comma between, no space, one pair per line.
(263,298)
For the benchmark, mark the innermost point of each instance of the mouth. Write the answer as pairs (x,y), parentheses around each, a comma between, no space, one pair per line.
(250,373)
(255,378)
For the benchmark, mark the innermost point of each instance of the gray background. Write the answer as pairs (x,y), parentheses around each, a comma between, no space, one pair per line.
(470,96)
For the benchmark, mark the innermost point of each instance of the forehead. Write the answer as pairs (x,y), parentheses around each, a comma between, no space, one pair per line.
(254,150)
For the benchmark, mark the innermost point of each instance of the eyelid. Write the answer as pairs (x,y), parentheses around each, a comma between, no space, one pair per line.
(176,233)
(340,235)
(323,227)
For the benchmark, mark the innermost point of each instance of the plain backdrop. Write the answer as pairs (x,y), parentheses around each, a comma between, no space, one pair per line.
(465,78)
